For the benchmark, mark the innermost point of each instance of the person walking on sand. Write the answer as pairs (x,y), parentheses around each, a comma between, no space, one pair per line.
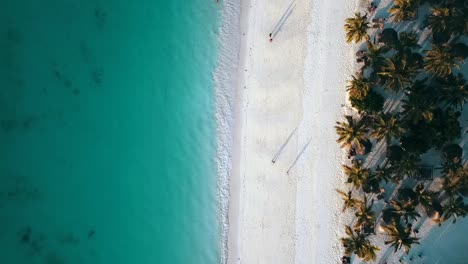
(271,39)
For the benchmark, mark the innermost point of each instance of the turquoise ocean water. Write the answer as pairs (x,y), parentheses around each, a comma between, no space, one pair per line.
(107,132)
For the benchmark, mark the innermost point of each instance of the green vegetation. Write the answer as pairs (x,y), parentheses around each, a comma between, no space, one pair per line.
(424,92)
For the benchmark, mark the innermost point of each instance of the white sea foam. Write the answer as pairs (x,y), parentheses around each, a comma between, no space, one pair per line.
(225,78)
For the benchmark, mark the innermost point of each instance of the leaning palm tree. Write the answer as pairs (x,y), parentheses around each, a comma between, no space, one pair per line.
(398,73)
(348,201)
(351,133)
(359,87)
(356,28)
(357,243)
(440,61)
(386,127)
(356,174)
(404,9)
(399,237)
(454,91)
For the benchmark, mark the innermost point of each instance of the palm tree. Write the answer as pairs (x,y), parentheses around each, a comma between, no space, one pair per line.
(357,243)
(408,40)
(356,174)
(424,197)
(349,201)
(386,127)
(351,133)
(398,73)
(407,210)
(356,28)
(382,174)
(456,180)
(365,215)
(454,90)
(451,19)
(375,56)
(440,61)
(454,208)
(404,9)
(419,103)
(400,237)
(359,87)
(438,20)
(407,166)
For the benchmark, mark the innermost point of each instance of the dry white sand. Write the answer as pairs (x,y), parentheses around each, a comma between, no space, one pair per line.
(297,81)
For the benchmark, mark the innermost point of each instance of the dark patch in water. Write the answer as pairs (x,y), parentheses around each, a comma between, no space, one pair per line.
(91,233)
(20,189)
(96,76)
(9,124)
(76,91)
(101,17)
(85,52)
(69,239)
(13,36)
(57,74)
(67,83)
(61,77)
(53,258)
(26,235)
(35,245)
(27,122)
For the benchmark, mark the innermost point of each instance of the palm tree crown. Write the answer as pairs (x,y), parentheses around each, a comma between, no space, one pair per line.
(365,215)
(454,208)
(407,210)
(356,28)
(386,127)
(440,61)
(356,174)
(438,20)
(404,9)
(400,237)
(398,73)
(448,18)
(454,90)
(349,201)
(375,56)
(351,133)
(357,243)
(359,87)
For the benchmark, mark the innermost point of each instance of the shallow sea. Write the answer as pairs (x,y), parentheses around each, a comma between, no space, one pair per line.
(107,132)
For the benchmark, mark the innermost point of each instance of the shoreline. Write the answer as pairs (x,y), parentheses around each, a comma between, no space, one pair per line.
(274,94)
(226,92)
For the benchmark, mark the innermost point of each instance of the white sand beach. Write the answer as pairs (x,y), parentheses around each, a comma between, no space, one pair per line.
(293,85)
